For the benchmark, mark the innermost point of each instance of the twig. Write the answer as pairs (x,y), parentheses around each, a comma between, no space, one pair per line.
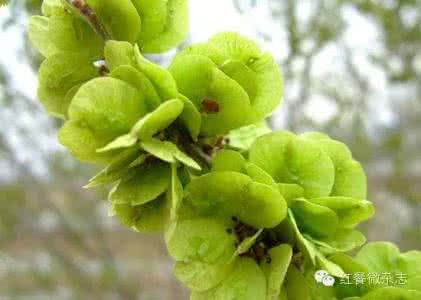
(205,158)
(91,17)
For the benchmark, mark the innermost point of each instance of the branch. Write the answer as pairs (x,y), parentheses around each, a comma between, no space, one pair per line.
(91,17)
(199,153)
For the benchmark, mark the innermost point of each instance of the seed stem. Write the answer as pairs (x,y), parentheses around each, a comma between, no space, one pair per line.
(205,158)
(90,16)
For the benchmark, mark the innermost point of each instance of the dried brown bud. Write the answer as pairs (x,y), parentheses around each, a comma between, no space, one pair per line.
(79,4)
(210,106)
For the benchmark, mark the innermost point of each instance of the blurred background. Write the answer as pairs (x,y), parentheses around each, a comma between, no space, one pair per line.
(352,69)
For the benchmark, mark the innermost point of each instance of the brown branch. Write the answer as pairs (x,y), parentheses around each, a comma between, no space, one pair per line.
(199,154)
(90,16)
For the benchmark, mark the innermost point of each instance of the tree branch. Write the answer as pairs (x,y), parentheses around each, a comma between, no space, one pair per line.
(91,17)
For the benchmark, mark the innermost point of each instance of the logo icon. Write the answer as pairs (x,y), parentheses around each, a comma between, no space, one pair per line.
(324,278)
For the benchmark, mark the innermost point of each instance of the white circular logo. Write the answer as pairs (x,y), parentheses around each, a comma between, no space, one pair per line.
(328,280)
(319,275)
(323,277)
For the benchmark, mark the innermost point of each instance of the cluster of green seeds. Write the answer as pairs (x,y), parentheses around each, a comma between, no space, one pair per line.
(247,213)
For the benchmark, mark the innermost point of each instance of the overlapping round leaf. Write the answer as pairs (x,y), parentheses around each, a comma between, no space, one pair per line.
(292,159)
(121,121)
(325,189)
(156,26)
(322,225)
(202,250)
(333,185)
(350,178)
(219,198)
(148,197)
(68,36)
(276,270)
(382,259)
(255,224)
(71,47)
(230,80)
(228,194)
(137,101)
(247,282)
(102,110)
(301,284)
(62,29)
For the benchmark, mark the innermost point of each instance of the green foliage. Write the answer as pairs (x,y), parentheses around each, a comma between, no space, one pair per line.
(276,270)
(102,110)
(70,47)
(384,258)
(246,213)
(304,170)
(143,186)
(231,72)
(60,76)
(72,38)
(244,137)
(291,159)
(228,194)
(247,282)
(119,18)
(202,250)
